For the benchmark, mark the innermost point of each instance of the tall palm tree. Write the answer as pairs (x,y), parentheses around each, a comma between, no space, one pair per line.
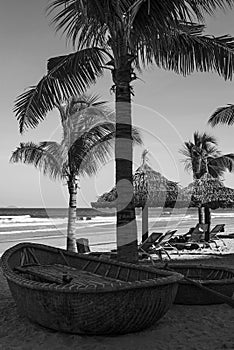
(88,134)
(124,35)
(203,157)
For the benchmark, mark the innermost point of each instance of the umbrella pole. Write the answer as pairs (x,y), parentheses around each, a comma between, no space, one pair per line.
(145,220)
(208,222)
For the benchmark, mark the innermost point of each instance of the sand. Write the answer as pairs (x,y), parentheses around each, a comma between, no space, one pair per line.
(183,327)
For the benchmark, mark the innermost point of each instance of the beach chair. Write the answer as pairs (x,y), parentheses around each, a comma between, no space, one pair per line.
(160,245)
(194,239)
(198,234)
(214,235)
(216,230)
(197,238)
(182,238)
(148,243)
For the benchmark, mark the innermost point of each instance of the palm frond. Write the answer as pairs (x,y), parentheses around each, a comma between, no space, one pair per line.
(89,20)
(77,104)
(89,23)
(67,75)
(82,115)
(183,49)
(196,138)
(224,162)
(92,148)
(208,140)
(187,165)
(185,9)
(203,155)
(223,115)
(136,136)
(161,32)
(44,157)
(186,150)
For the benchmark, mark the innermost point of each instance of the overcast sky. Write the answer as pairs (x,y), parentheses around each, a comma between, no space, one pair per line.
(167,108)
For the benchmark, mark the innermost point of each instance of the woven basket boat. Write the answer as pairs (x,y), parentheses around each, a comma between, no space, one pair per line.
(82,294)
(219,279)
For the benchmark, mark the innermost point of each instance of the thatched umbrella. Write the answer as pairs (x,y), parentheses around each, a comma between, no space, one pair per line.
(151,189)
(209,193)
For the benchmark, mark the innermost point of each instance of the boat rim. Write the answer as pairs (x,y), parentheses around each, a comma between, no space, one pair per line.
(168,277)
(205,267)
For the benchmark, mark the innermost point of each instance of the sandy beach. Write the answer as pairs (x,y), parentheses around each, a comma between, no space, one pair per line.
(183,327)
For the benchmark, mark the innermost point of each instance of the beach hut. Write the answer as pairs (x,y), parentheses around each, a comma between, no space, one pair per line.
(209,193)
(151,189)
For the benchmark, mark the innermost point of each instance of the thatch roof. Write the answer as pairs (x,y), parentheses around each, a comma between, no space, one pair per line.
(209,192)
(150,188)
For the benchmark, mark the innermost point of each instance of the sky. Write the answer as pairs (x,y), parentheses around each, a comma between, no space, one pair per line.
(167,109)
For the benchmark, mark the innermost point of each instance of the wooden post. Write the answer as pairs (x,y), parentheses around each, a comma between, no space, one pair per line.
(208,222)
(145,220)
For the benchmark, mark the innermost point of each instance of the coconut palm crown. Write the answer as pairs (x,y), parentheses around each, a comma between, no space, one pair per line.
(124,36)
(206,162)
(203,157)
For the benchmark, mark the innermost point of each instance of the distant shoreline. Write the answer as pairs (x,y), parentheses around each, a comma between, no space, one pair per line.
(53,212)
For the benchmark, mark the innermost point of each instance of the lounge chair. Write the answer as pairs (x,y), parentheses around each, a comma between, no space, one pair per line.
(214,235)
(148,243)
(159,245)
(198,233)
(194,239)
(216,230)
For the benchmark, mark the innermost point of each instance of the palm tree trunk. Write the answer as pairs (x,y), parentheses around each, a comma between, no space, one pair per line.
(145,222)
(71,225)
(208,222)
(201,215)
(126,220)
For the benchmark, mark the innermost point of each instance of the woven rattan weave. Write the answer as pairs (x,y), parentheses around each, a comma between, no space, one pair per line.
(83,294)
(220,279)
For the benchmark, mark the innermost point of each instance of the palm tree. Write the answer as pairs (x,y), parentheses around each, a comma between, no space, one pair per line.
(203,157)
(124,35)
(88,133)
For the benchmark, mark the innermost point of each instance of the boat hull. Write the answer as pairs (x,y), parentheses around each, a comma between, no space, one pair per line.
(115,313)
(219,279)
(128,306)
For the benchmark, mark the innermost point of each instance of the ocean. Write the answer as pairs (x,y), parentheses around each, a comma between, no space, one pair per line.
(48,226)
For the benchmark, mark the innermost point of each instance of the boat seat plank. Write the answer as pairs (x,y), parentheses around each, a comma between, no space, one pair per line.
(61,274)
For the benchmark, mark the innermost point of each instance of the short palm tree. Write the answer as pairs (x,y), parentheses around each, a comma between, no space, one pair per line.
(88,134)
(203,157)
(122,36)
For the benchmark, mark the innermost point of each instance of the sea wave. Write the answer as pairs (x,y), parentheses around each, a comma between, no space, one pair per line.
(27,219)
(26,222)
(14,218)
(223,215)
(30,230)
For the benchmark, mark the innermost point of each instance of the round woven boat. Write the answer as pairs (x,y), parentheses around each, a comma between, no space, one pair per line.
(129,297)
(220,279)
